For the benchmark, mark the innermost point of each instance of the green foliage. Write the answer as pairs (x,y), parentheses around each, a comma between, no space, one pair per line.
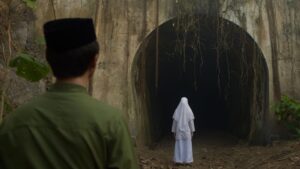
(30,3)
(288,111)
(7,106)
(29,68)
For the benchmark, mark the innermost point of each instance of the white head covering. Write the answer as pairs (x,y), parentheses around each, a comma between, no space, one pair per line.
(183,114)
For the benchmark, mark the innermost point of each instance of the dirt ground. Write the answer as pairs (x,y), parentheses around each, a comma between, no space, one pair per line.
(221,151)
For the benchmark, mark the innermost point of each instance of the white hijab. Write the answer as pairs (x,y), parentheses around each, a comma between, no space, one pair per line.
(183,114)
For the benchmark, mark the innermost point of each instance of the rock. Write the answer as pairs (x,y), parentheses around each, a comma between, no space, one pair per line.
(295,159)
(3,78)
(20,90)
(4,10)
(21,33)
(3,7)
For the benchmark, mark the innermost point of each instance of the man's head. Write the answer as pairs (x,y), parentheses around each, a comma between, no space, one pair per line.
(71,46)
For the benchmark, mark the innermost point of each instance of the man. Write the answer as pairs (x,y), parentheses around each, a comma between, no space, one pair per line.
(183,128)
(65,128)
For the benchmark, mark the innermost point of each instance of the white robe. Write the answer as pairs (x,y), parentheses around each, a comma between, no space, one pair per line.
(183,127)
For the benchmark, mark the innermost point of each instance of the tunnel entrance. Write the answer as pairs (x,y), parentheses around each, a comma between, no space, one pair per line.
(215,64)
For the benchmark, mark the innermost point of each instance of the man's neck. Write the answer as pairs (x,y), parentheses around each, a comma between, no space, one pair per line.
(77,80)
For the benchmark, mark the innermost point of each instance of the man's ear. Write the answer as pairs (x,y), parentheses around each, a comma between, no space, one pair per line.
(94,62)
(92,66)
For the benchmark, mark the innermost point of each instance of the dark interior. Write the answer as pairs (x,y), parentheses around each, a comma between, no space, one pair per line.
(212,64)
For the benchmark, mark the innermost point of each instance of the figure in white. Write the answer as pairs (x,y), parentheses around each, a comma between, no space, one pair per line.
(183,128)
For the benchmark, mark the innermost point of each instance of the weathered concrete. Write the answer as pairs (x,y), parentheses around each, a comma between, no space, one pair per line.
(123,25)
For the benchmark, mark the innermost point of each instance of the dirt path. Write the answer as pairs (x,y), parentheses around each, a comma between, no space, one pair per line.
(220,151)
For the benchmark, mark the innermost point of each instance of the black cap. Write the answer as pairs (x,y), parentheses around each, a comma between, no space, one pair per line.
(66,34)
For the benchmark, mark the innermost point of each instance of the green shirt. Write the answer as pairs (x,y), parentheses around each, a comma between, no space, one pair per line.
(65,128)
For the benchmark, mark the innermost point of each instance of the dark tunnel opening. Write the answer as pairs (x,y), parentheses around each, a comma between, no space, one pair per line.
(216,65)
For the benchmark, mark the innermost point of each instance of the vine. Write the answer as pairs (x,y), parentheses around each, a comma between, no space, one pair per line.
(187,23)
(157,45)
(53,8)
(6,58)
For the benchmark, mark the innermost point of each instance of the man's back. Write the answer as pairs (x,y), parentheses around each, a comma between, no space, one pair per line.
(65,129)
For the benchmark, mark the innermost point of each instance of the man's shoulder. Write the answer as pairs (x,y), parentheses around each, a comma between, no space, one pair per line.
(18,116)
(27,105)
(104,109)
(99,114)
(83,103)
(79,111)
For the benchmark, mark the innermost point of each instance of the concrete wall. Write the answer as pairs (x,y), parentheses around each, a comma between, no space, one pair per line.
(122,25)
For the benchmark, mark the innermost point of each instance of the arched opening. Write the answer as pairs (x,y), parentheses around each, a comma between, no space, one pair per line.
(216,65)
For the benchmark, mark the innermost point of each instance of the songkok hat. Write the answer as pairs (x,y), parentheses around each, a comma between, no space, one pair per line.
(66,34)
